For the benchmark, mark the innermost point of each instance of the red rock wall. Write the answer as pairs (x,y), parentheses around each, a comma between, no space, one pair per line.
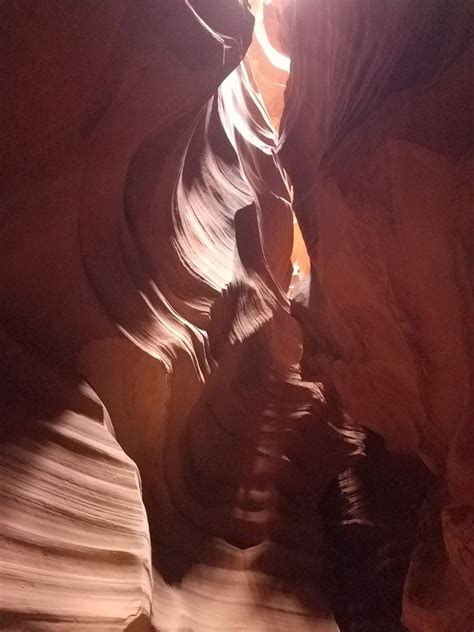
(170,424)
(377,140)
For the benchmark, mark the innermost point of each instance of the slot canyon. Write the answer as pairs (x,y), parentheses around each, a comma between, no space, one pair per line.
(236,316)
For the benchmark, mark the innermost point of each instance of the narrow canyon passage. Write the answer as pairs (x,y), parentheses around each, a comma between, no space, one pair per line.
(236,316)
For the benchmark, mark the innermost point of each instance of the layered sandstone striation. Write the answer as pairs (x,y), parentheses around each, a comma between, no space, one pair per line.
(171,420)
(151,376)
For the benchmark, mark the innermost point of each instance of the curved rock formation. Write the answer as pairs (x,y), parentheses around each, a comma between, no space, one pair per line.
(379,161)
(173,425)
(157,232)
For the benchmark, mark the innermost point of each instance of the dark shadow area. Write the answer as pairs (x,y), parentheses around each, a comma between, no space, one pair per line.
(371,516)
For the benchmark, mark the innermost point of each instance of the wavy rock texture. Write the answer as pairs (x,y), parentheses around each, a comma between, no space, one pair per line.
(147,232)
(172,425)
(377,140)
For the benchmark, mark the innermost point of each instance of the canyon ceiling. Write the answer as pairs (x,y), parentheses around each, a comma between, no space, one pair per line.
(236,316)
